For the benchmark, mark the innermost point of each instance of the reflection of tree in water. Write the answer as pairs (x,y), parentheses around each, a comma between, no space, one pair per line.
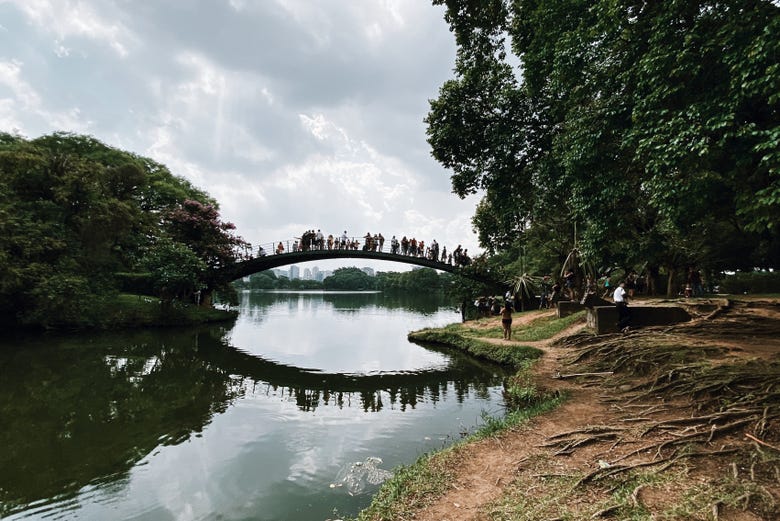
(76,413)
(255,303)
(82,411)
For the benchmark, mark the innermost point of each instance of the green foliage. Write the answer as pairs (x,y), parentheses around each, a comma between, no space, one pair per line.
(74,212)
(175,270)
(652,129)
(419,280)
(352,279)
(750,282)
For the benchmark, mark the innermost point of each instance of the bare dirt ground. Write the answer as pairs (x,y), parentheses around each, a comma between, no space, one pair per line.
(713,442)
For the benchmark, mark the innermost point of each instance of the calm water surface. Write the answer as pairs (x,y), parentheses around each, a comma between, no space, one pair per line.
(295,412)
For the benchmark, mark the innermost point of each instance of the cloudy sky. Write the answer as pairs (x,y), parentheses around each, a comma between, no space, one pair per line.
(293,114)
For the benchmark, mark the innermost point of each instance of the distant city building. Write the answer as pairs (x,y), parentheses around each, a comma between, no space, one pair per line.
(307,274)
(295,272)
(368,271)
(315,272)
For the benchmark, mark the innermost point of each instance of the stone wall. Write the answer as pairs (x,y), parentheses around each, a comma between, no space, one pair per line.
(603,319)
(569,307)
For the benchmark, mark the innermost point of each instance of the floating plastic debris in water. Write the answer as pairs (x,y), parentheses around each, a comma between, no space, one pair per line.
(356,476)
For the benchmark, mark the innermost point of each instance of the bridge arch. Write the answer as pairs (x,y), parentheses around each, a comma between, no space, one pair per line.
(267,262)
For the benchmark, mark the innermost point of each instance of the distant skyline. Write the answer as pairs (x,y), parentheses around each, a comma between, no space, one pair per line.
(294,115)
(294,271)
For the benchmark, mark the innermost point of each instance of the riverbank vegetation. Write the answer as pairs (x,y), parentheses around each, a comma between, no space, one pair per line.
(129,311)
(81,221)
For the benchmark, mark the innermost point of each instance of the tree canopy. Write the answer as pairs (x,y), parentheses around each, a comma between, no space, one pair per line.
(75,213)
(640,133)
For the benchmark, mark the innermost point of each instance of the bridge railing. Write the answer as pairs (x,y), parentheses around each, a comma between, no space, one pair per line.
(353,243)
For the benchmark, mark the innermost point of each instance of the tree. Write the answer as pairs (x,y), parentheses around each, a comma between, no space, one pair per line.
(75,213)
(629,120)
(176,271)
(349,279)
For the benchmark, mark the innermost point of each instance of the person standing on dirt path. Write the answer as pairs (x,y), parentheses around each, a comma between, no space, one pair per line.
(621,303)
(506,320)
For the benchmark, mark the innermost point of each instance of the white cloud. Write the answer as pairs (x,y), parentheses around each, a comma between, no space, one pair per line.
(25,99)
(291,114)
(11,77)
(71,18)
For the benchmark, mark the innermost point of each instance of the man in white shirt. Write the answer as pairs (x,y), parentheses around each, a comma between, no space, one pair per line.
(621,303)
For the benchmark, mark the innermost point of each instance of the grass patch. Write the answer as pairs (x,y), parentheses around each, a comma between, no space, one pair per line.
(541,328)
(512,355)
(545,327)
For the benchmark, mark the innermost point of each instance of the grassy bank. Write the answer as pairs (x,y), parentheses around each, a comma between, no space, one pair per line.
(124,310)
(128,310)
(455,337)
(415,486)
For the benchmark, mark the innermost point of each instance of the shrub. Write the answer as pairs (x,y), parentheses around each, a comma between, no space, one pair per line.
(751,282)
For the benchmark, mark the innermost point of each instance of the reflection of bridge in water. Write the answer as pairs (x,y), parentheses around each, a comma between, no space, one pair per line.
(267,260)
(114,400)
(311,389)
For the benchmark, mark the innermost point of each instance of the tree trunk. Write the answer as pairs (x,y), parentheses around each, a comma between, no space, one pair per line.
(206,298)
(670,282)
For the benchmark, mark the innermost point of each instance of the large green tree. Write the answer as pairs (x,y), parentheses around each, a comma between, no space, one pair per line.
(74,212)
(652,129)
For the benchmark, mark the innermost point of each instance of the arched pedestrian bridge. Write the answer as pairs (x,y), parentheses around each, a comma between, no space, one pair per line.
(266,260)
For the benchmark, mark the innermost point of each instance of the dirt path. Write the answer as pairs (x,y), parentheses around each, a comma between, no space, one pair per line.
(491,464)
(522,460)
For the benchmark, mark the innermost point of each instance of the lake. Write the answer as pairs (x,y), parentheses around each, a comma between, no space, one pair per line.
(297,411)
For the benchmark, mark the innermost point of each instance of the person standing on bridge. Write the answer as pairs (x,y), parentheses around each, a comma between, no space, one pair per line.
(381,242)
(280,248)
(344,239)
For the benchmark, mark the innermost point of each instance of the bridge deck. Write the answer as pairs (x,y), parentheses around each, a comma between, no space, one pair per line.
(267,262)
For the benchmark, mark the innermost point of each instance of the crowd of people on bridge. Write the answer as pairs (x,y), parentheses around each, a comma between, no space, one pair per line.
(311,241)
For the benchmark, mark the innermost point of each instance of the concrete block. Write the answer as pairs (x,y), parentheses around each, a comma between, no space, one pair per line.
(603,319)
(568,307)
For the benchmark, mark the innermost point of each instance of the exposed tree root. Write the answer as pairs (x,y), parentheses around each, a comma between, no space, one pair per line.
(683,390)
